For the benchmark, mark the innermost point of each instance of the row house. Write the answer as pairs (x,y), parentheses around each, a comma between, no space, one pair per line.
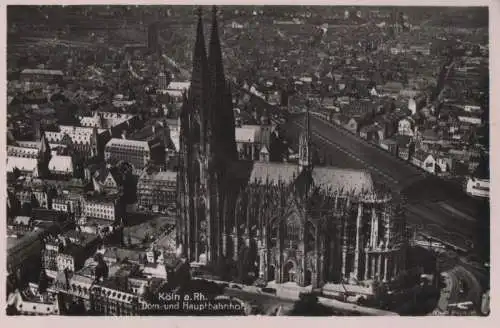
(68,203)
(399,145)
(348,123)
(424,160)
(374,133)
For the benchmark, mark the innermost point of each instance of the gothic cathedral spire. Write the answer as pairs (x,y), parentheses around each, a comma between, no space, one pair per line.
(215,55)
(198,92)
(221,106)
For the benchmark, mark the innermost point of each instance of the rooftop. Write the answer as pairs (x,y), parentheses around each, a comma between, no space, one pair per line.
(80,238)
(274,172)
(247,133)
(345,180)
(42,71)
(13,151)
(119,254)
(43,214)
(159,176)
(179,86)
(61,164)
(127,142)
(21,163)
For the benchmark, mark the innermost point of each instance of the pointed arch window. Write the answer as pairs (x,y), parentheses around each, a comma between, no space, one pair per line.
(273,236)
(293,228)
(310,235)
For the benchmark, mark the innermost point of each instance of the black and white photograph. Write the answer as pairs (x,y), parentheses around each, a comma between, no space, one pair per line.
(247,160)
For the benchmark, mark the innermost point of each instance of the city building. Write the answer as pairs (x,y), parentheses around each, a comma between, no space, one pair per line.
(23,152)
(253,141)
(107,120)
(424,160)
(68,252)
(29,302)
(100,207)
(67,203)
(136,153)
(106,180)
(157,191)
(110,298)
(25,166)
(74,288)
(42,76)
(61,167)
(82,139)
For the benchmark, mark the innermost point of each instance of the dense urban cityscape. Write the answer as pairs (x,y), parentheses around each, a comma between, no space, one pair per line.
(247,160)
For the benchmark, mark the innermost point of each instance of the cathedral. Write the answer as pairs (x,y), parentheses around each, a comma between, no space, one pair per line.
(281,222)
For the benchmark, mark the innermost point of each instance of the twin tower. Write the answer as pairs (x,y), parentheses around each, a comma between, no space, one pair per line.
(207,148)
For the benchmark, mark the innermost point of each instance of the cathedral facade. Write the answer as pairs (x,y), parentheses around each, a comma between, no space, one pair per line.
(282,222)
